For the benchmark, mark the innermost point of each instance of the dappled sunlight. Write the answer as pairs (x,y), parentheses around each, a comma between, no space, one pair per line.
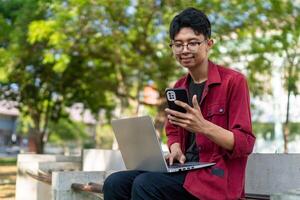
(7,181)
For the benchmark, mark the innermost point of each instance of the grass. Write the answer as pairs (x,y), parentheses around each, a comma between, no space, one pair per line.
(8,161)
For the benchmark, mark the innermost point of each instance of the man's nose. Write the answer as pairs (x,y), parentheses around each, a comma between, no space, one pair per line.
(185,49)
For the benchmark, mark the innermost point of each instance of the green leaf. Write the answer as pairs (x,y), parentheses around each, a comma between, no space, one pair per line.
(61,64)
(40,30)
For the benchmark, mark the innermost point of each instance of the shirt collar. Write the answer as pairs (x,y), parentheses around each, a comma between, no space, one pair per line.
(213,76)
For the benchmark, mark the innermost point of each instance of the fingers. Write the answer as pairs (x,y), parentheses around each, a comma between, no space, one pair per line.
(178,124)
(196,105)
(186,106)
(186,120)
(195,102)
(182,159)
(175,156)
(175,113)
(171,159)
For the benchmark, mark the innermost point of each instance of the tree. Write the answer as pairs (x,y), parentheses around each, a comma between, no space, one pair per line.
(77,51)
(257,33)
(103,53)
(14,49)
(46,73)
(275,36)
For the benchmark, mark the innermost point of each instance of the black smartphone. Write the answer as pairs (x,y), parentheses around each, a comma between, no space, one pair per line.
(173,94)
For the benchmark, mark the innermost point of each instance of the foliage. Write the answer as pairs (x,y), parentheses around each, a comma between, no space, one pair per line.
(66,130)
(266,130)
(55,53)
(294,130)
(105,136)
(274,45)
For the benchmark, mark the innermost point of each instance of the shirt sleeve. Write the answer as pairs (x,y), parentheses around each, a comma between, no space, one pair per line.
(239,118)
(172,133)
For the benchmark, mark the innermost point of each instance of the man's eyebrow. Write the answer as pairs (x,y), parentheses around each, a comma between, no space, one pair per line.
(187,40)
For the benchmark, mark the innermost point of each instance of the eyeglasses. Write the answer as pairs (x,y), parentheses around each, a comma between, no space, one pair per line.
(191,46)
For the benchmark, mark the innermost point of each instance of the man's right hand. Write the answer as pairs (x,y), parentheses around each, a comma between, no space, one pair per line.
(176,154)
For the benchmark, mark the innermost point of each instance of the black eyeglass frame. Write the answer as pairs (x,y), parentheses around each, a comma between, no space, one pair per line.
(187,45)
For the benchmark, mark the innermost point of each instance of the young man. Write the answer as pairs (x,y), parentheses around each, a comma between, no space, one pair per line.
(215,128)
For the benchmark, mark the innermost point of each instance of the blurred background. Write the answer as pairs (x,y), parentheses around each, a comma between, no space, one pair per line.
(67,67)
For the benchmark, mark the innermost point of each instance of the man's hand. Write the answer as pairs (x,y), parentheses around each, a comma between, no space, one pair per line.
(192,120)
(176,154)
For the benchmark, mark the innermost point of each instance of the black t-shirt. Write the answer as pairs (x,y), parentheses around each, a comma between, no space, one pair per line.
(192,152)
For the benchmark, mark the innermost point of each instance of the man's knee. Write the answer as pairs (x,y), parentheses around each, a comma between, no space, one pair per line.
(112,182)
(140,181)
(118,185)
(144,185)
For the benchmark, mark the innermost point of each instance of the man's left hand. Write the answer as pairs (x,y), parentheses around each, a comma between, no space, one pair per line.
(192,120)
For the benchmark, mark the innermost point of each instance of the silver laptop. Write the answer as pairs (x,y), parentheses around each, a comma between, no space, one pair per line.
(141,149)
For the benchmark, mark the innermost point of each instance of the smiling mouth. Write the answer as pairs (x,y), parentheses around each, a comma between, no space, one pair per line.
(187,58)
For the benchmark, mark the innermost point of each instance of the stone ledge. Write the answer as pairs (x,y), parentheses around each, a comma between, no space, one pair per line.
(289,195)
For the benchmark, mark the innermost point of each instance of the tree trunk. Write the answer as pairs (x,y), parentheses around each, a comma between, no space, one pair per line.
(36,144)
(286,130)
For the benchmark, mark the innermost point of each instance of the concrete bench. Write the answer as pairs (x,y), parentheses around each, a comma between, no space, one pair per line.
(54,180)
(268,176)
(36,190)
(288,195)
(62,181)
(97,165)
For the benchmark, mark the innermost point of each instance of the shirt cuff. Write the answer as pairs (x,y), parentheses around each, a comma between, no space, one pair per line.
(243,144)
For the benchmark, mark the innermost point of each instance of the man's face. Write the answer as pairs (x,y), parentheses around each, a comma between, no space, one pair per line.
(190,50)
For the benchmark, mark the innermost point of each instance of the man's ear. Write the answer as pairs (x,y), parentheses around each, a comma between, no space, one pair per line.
(210,42)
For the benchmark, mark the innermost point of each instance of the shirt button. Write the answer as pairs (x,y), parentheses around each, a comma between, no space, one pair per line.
(221,110)
(199,148)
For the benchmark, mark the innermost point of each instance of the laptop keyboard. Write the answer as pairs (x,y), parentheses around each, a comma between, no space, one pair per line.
(176,165)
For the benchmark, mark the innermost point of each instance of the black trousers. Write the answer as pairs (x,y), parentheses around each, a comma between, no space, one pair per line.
(140,185)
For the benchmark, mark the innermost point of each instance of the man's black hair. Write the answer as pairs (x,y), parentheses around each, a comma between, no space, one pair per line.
(190,18)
